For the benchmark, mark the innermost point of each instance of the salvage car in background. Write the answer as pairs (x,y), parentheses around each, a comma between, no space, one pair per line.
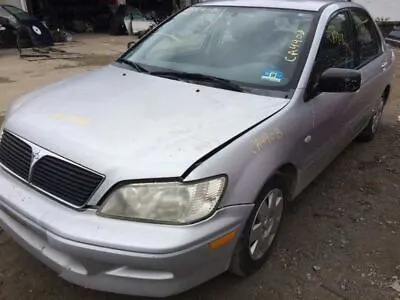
(175,163)
(393,37)
(136,22)
(22,29)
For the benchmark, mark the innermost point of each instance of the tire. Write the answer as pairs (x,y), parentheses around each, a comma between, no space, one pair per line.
(248,257)
(370,131)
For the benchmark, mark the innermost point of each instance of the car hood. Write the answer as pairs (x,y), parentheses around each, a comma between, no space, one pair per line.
(135,125)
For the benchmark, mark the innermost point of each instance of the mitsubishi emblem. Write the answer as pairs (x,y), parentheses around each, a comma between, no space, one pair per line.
(35,157)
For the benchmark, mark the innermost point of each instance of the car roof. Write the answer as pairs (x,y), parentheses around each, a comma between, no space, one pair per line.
(310,5)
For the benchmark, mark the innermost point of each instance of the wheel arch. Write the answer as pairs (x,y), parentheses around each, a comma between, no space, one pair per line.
(287,172)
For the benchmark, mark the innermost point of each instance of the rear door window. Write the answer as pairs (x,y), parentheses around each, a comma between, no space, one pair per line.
(367,36)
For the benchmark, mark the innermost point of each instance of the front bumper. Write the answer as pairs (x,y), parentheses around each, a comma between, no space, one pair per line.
(114,255)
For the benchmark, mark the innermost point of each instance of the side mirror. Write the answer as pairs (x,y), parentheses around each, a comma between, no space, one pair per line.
(336,80)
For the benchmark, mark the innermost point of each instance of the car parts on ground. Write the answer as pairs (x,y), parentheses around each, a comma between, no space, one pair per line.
(98,15)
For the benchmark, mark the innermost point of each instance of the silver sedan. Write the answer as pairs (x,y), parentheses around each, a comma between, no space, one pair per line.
(174,164)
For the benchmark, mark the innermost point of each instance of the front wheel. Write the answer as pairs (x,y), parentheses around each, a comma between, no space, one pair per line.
(369,132)
(261,230)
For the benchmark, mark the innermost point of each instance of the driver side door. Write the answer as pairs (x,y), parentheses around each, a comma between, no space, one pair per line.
(331,112)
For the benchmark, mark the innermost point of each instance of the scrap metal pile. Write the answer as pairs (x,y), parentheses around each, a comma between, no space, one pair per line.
(22,30)
(55,21)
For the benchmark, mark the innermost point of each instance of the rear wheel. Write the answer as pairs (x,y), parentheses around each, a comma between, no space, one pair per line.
(261,230)
(369,132)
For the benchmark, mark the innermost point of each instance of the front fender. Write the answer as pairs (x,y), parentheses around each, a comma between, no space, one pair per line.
(256,156)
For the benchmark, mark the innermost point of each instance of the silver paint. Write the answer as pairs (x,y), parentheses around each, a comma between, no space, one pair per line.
(139,126)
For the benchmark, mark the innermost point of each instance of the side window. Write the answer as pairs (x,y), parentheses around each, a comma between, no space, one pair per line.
(367,37)
(337,49)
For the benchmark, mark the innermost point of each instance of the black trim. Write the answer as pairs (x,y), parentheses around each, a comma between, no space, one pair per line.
(222,146)
(356,44)
(352,35)
(161,180)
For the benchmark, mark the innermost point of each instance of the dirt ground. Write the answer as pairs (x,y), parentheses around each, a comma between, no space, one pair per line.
(340,240)
(86,52)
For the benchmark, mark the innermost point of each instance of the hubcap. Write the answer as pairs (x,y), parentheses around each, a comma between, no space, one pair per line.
(265,224)
(376,119)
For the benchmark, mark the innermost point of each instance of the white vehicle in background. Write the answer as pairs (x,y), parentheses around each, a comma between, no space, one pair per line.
(135,22)
(393,37)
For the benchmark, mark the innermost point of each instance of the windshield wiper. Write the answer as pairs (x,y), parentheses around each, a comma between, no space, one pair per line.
(134,65)
(220,82)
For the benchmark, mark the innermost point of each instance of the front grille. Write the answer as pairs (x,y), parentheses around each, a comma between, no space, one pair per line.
(15,155)
(64,180)
(57,177)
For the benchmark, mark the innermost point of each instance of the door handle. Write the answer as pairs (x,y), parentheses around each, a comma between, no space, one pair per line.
(384,65)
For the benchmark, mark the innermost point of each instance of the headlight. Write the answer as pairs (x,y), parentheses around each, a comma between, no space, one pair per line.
(173,202)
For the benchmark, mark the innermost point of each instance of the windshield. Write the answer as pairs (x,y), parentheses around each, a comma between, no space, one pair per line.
(256,47)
